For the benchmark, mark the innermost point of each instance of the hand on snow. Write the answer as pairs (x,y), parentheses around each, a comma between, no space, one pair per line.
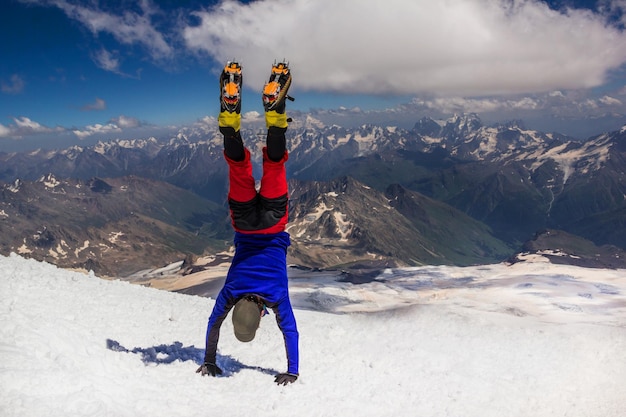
(209,369)
(286,378)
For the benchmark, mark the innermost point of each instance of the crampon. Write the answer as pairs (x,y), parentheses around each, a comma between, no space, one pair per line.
(230,84)
(275,90)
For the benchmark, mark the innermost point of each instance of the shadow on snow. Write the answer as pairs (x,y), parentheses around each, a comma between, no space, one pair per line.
(166,354)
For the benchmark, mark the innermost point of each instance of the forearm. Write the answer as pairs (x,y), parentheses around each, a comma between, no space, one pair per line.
(212,339)
(287,324)
(220,311)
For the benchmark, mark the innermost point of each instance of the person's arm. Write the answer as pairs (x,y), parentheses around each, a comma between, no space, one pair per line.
(287,324)
(223,305)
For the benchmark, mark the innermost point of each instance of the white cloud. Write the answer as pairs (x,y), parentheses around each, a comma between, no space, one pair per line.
(126,122)
(115,125)
(451,105)
(557,94)
(127,28)
(609,101)
(24,126)
(14,86)
(208,121)
(106,60)
(614,8)
(4,131)
(96,129)
(99,104)
(556,103)
(28,124)
(459,48)
(251,115)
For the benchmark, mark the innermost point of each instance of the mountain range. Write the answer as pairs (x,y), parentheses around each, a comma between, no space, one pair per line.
(444,192)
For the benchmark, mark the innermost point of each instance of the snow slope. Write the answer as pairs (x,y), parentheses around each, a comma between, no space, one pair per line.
(530,339)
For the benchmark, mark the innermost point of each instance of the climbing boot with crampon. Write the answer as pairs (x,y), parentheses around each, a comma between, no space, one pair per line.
(230,96)
(275,93)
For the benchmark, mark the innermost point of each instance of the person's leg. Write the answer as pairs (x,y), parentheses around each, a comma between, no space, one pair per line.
(276,143)
(274,180)
(274,192)
(241,192)
(241,181)
(233,144)
(241,187)
(242,195)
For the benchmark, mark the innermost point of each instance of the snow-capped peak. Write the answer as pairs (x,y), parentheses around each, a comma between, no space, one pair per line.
(49,181)
(15,187)
(312,122)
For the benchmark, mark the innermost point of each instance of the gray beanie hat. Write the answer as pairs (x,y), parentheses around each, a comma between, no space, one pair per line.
(246,318)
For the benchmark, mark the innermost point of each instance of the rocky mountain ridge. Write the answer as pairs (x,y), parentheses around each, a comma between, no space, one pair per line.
(451,191)
(115,226)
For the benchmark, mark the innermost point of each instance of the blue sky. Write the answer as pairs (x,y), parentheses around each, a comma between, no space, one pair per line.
(79,71)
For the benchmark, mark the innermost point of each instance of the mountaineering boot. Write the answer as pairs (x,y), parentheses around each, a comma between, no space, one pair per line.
(230,96)
(274,95)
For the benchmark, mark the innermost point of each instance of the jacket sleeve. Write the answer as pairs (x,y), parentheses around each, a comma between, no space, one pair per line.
(287,325)
(223,305)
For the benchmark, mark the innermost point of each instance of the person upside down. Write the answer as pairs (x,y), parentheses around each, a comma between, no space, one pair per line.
(257,277)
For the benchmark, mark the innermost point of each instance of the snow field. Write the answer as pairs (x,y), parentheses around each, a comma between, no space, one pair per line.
(75,345)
